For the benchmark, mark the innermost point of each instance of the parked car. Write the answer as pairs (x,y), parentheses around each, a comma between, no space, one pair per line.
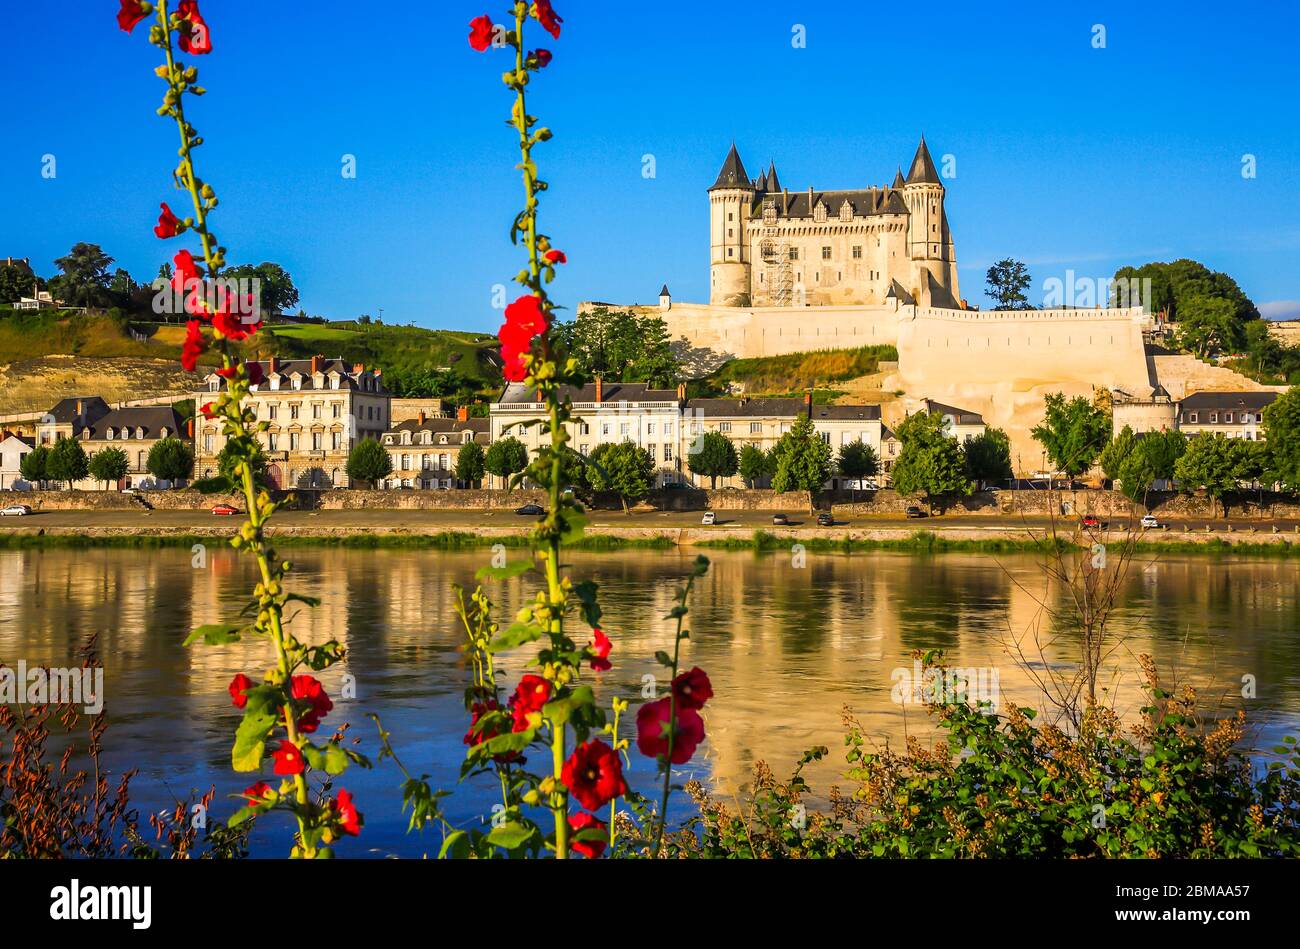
(914,511)
(1150,521)
(825,519)
(15,510)
(225,510)
(709,518)
(780,520)
(675,486)
(534,509)
(1090,522)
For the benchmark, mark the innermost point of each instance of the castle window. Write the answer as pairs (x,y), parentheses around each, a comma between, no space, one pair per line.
(857,251)
(826,253)
(730,232)
(728,215)
(731,252)
(794,253)
(819,213)
(846,211)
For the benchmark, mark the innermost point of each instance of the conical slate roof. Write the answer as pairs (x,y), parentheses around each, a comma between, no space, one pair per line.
(773,183)
(732,174)
(898,179)
(922,171)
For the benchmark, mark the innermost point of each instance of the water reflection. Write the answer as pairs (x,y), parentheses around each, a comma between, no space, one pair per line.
(786,648)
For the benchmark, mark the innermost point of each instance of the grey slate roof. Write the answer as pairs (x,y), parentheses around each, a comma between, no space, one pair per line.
(287,367)
(747,408)
(872,201)
(481,427)
(960,416)
(1227,401)
(732,174)
(923,170)
(91,405)
(151,418)
(516,393)
(843,413)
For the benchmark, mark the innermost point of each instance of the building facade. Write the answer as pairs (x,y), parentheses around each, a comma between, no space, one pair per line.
(1235,414)
(424,450)
(316,411)
(133,430)
(770,246)
(13,449)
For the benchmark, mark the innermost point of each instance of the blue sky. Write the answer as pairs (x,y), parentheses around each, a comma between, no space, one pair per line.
(1067,156)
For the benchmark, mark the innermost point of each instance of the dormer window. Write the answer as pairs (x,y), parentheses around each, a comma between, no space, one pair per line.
(442,439)
(769,210)
(388,439)
(846,211)
(297,381)
(466,438)
(109,433)
(334,380)
(819,213)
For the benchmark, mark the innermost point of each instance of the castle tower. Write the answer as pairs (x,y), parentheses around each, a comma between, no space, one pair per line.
(929,240)
(730,201)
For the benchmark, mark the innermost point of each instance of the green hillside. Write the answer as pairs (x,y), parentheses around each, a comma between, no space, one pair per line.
(794,373)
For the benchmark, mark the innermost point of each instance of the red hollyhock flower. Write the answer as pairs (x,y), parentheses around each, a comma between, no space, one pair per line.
(514,369)
(602,647)
(238,686)
(185,269)
(195,37)
(692,689)
(591,849)
(288,759)
(481,29)
(168,223)
(542,57)
(477,711)
(256,794)
(194,346)
(594,775)
(349,820)
(132,12)
(652,731)
(556,257)
(525,320)
(530,695)
(306,688)
(209,410)
(547,16)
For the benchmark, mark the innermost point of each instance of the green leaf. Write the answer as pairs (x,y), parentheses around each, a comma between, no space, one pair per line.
(456,845)
(215,634)
(242,815)
(515,636)
(260,716)
(663,658)
(331,759)
(561,710)
(510,835)
(514,569)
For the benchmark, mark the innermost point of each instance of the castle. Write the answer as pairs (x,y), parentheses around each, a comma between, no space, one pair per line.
(770,246)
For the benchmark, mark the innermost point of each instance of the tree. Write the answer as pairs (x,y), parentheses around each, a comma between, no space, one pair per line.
(857,460)
(1176,282)
(274,285)
(1073,433)
(67,462)
(368,462)
(1113,455)
(108,464)
(469,463)
(505,458)
(618,345)
(16,281)
(715,459)
(655,364)
(1282,429)
(170,459)
(85,277)
(988,456)
(1153,457)
(623,468)
(1213,462)
(931,462)
(754,465)
(1208,325)
(33,466)
(803,460)
(1007,281)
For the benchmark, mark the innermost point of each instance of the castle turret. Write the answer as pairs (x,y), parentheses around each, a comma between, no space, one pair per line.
(730,201)
(929,241)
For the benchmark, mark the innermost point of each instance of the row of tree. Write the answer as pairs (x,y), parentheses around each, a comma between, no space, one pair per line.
(66,462)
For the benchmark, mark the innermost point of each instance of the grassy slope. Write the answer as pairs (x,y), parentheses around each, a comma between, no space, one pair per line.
(791,374)
(31,337)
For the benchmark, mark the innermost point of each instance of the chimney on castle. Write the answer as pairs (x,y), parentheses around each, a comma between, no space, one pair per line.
(600,390)
(359,368)
(807,402)
(273,365)
(315,364)
(681,392)
(462,414)
(785,200)
(189,427)
(421,416)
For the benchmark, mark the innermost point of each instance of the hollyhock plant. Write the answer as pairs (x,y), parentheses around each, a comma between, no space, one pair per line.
(257,793)
(345,812)
(284,708)
(530,696)
(541,58)
(238,686)
(589,847)
(652,731)
(692,689)
(555,257)
(169,225)
(601,647)
(131,13)
(547,16)
(307,689)
(480,32)
(594,774)
(288,759)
